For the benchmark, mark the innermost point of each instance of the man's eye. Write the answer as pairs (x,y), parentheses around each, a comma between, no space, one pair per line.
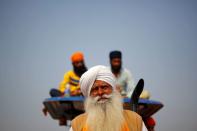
(95,88)
(105,87)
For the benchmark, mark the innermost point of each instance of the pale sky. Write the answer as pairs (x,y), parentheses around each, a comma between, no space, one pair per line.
(157,38)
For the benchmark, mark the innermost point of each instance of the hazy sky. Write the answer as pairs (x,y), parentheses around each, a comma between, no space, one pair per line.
(158,40)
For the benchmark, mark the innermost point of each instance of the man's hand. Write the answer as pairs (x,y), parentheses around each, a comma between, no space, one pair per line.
(75,92)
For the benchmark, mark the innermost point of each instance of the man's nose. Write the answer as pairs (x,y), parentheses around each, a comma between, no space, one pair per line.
(100,91)
(79,64)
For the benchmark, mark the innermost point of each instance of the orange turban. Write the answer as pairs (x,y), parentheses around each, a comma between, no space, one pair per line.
(77,56)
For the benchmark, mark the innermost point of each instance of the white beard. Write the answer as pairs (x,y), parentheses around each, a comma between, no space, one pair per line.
(104,115)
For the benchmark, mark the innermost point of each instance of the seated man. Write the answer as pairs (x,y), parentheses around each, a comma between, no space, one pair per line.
(103,106)
(70,83)
(124,79)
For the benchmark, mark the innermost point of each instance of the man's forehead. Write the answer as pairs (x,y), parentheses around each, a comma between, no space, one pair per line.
(78,61)
(116,59)
(100,82)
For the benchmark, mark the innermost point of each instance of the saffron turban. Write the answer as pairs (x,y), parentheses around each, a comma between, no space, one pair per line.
(77,56)
(95,73)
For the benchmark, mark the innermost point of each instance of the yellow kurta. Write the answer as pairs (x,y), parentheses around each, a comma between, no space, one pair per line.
(70,80)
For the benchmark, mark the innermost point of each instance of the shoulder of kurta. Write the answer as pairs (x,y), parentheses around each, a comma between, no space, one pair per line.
(133,119)
(133,114)
(79,121)
(69,72)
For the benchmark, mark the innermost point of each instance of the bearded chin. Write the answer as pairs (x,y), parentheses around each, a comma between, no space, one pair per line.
(104,116)
(116,69)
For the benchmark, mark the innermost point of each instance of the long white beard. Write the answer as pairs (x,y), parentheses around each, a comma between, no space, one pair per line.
(104,115)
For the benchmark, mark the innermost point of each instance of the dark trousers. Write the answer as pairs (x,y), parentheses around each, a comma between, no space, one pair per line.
(55,93)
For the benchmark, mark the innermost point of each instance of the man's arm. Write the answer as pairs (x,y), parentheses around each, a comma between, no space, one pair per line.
(64,82)
(130,83)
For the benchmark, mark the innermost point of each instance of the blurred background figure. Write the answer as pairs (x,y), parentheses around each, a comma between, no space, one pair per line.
(145,94)
(125,83)
(124,78)
(69,86)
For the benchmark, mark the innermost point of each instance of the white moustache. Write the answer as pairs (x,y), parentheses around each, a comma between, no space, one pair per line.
(102,99)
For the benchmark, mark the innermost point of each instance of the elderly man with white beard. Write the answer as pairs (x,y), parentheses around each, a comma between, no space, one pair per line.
(103,105)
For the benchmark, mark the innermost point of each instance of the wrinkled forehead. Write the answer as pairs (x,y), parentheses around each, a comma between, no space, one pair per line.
(99,83)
